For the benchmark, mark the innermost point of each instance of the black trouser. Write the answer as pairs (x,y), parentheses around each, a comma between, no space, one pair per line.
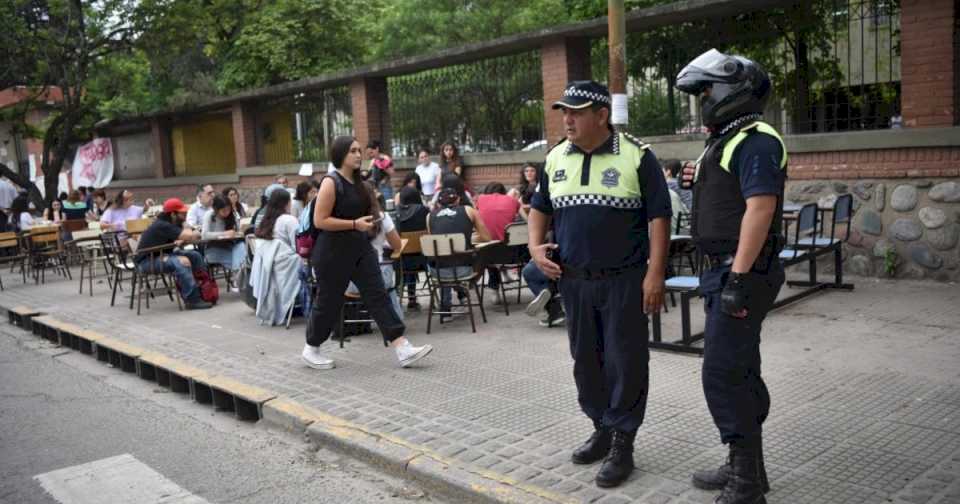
(732,383)
(336,262)
(608,341)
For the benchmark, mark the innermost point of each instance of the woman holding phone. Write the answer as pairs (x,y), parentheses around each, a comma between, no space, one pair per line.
(342,253)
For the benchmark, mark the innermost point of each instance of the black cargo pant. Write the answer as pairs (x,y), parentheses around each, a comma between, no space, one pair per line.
(732,382)
(338,260)
(608,341)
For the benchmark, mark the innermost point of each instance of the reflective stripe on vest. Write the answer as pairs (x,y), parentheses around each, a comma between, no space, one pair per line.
(614,178)
(731,145)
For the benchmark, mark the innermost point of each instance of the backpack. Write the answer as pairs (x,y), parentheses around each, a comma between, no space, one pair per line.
(209,291)
(306,231)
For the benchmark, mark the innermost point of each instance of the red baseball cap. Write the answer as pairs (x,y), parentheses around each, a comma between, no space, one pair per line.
(174,205)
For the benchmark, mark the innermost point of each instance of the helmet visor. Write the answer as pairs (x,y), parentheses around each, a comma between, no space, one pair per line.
(711,66)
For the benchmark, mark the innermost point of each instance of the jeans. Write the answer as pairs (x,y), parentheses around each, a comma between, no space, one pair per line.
(170,263)
(230,257)
(494,275)
(449,274)
(535,278)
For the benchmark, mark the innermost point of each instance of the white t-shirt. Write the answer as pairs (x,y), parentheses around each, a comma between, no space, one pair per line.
(26,220)
(7,193)
(428,177)
(379,242)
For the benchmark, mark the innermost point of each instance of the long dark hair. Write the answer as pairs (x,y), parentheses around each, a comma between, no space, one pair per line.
(375,210)
(19,205)
(303,189)
(412,176)
(456,160)
(338,152)
(219,203)
(238,209)
(526,191)
(276,206)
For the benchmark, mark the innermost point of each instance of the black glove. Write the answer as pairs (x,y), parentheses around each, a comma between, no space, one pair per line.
(733,299)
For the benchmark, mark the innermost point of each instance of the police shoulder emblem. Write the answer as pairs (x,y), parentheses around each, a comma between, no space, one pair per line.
(560,175)
(611,177)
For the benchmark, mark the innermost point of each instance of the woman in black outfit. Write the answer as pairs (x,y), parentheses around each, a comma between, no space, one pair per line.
(342,253)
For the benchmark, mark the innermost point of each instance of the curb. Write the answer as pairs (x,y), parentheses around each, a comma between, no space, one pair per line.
(252,403)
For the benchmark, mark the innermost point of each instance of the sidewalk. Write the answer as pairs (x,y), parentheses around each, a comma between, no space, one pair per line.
(865,389)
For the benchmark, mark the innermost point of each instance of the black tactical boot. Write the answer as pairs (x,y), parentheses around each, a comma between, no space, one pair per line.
(744,485)
(618,465)
(595,448)
(716,479)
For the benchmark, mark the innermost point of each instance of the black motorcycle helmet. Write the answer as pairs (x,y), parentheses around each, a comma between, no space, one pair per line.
(738,86)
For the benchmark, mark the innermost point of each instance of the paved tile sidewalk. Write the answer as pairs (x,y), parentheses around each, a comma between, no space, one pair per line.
(865,389)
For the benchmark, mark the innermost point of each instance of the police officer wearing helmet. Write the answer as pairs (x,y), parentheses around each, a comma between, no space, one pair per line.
(598,191)
(737,213)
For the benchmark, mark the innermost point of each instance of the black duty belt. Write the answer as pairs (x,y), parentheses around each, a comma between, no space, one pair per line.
(600,273)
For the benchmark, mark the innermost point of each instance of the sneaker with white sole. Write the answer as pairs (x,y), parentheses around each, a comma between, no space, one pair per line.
(557,320)
(539,303)
(312,357)
(408,354)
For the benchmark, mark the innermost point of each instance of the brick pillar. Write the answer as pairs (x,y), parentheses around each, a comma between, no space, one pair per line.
(245,135)
(162,147)
(561,61)
(928,63)
(371,110)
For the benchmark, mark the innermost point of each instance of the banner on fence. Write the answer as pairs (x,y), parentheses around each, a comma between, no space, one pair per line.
(93,165)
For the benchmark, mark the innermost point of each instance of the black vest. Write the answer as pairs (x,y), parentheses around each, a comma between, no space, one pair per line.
(452,220)
(718,204)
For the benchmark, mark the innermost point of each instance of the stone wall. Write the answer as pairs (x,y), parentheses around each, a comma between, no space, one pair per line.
(906,228)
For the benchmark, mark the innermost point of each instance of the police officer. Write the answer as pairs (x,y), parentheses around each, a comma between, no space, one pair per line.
(737,210)
(597,192)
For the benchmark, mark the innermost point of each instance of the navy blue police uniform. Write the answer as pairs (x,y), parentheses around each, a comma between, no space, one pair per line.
(748,161)
(600,203)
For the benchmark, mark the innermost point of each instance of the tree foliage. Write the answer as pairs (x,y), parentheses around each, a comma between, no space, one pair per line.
(59,44)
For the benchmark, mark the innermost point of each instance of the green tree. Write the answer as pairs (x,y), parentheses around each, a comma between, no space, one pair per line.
(58,44)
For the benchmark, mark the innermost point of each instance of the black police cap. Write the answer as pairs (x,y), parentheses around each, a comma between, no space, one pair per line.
(582,94)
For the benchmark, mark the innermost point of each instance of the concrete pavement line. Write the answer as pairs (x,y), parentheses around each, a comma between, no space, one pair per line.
(402,455)
(429,465)
(118,480)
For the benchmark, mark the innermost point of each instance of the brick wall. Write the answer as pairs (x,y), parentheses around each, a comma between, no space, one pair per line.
(928,62)
(560,62)
(885,163)
(371,113)
(244,135)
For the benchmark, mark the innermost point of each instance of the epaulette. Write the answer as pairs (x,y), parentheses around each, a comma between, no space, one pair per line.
(554,146)
(636,141)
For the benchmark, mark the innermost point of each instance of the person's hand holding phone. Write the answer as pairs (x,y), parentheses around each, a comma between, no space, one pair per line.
(364,223)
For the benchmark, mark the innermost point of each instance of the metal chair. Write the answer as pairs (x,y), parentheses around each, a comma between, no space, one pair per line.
(47,252)
(14,253)
(87,247)
(145,283)
(512,254)
(449,251)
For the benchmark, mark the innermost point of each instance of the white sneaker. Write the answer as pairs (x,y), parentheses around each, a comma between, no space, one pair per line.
(539,303)
(408,354)
(312,357)
(557,321)
(496,297)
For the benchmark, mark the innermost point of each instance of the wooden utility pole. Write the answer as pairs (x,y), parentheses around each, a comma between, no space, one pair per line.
(616,37)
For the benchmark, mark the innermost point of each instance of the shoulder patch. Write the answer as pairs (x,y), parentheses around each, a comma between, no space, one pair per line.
(636,141)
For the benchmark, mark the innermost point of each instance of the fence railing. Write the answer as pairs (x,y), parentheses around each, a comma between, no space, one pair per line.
(489,105)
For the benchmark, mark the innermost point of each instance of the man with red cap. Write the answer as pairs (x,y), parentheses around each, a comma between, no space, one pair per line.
(166,230)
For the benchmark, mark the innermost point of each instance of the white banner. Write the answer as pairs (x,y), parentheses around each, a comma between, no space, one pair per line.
(93,165)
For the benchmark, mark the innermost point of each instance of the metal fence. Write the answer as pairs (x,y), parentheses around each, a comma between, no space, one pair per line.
(484,106)
(318,118)
(835,66)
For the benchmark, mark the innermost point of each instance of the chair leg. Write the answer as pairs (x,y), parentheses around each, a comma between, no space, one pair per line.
(473,323)
(503,295)
(430,311)
(133,287)
(341,332)
(116,283)
(483,313)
